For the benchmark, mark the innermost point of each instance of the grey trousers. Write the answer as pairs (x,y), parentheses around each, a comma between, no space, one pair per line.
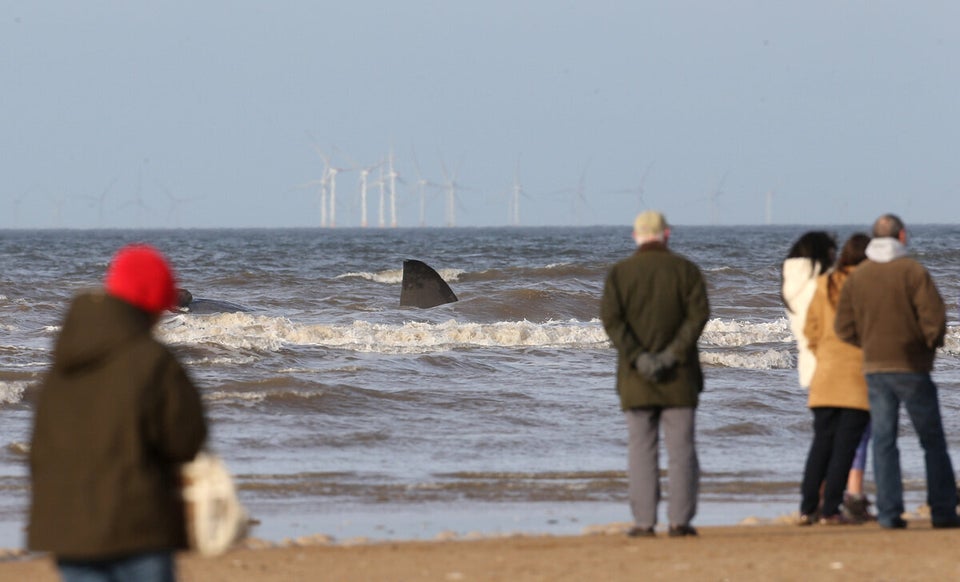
(643,467)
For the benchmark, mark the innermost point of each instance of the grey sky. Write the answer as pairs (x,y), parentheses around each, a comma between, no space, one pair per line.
(208,114)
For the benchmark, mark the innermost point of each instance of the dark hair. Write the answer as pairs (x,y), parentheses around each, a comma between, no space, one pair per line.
(854,252)
(817,245)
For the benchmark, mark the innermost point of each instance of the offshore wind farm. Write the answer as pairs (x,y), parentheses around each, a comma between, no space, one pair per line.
(187,116)
(340,195)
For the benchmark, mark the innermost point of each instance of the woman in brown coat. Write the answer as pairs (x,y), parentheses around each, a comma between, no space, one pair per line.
(837,398)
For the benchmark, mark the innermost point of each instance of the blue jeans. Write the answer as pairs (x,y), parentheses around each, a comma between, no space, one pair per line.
(918,394)
(145,567)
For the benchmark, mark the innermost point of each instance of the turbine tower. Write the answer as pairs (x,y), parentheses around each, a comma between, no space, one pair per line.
(330,177)
(715,199)
(514,207)
(101,200)
(380,184)
(364,182)
(392,176)
(450,186)
(422,184)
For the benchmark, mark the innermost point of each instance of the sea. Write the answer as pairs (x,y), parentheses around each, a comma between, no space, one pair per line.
(339,412)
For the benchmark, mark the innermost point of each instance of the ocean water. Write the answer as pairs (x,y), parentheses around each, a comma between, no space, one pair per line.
(341,412)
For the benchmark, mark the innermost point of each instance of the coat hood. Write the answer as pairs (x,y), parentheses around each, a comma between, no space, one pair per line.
(885,249)
(798,273)
(96,324)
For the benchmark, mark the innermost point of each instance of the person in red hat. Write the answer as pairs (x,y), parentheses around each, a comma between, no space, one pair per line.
(115,417)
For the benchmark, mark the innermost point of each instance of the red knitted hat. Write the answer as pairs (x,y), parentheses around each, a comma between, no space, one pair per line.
(140,275)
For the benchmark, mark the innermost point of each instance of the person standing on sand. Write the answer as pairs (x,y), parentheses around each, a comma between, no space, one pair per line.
(890,307)
(837,398)
(654,309)
(809,257)
(116,415)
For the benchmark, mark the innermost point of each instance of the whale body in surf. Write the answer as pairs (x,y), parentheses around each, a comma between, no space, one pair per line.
(187,303)
(423,287)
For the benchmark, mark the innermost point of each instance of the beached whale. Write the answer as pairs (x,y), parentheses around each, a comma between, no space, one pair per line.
(423,287)
(187,303)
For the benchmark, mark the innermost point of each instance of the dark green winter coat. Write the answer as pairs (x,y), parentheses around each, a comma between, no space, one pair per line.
(656,300)
(115,416)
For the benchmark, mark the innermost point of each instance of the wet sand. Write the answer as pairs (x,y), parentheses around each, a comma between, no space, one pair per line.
(743,552)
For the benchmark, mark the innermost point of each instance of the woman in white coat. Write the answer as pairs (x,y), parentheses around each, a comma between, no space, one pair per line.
(810,256)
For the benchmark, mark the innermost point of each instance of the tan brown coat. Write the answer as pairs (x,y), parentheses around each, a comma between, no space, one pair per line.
(838,380)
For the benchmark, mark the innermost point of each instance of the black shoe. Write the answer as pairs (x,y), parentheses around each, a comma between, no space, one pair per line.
(805,519)
(641,532)
(947,523)
(897,523)
(678,531)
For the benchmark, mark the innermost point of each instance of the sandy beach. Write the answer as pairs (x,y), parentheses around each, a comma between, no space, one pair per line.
(743,552)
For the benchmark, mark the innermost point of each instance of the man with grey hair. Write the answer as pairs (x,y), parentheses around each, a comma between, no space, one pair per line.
(654,308)
(891,308)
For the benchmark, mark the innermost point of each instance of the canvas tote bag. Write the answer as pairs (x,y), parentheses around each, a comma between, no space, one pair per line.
(215,518)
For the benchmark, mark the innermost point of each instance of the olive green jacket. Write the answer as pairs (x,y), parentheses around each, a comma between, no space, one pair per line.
(115,417)
(656,300)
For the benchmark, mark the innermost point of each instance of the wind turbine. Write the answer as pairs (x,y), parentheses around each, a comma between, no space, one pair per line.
(138,195)
(579,200)
(715,199)
(364,174)
(639,190)
(422,184)
(513,208)
(331,180)
(450,185)
(175,202)
(393,177)
(323,182)
(100,200)
(381,185)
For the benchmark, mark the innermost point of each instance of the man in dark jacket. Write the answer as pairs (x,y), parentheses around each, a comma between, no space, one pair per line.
(654,308)
(890,307)
(115,417)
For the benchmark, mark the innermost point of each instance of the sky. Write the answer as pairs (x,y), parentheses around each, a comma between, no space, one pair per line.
(216,114)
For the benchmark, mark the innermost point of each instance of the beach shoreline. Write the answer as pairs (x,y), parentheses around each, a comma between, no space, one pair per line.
(742,552)
(277,523)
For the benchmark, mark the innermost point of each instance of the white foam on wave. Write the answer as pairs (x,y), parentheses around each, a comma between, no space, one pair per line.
(245,397)
(395,276)
(765,360)
(220,360)
(12,392)
(734,333)
(257,332)
(951,343)
(246,331)
(391,276)
(256,397)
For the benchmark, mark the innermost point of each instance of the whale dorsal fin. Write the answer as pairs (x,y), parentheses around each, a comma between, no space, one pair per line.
(423,287)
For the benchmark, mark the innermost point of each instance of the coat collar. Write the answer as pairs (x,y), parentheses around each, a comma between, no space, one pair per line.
(653,245)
